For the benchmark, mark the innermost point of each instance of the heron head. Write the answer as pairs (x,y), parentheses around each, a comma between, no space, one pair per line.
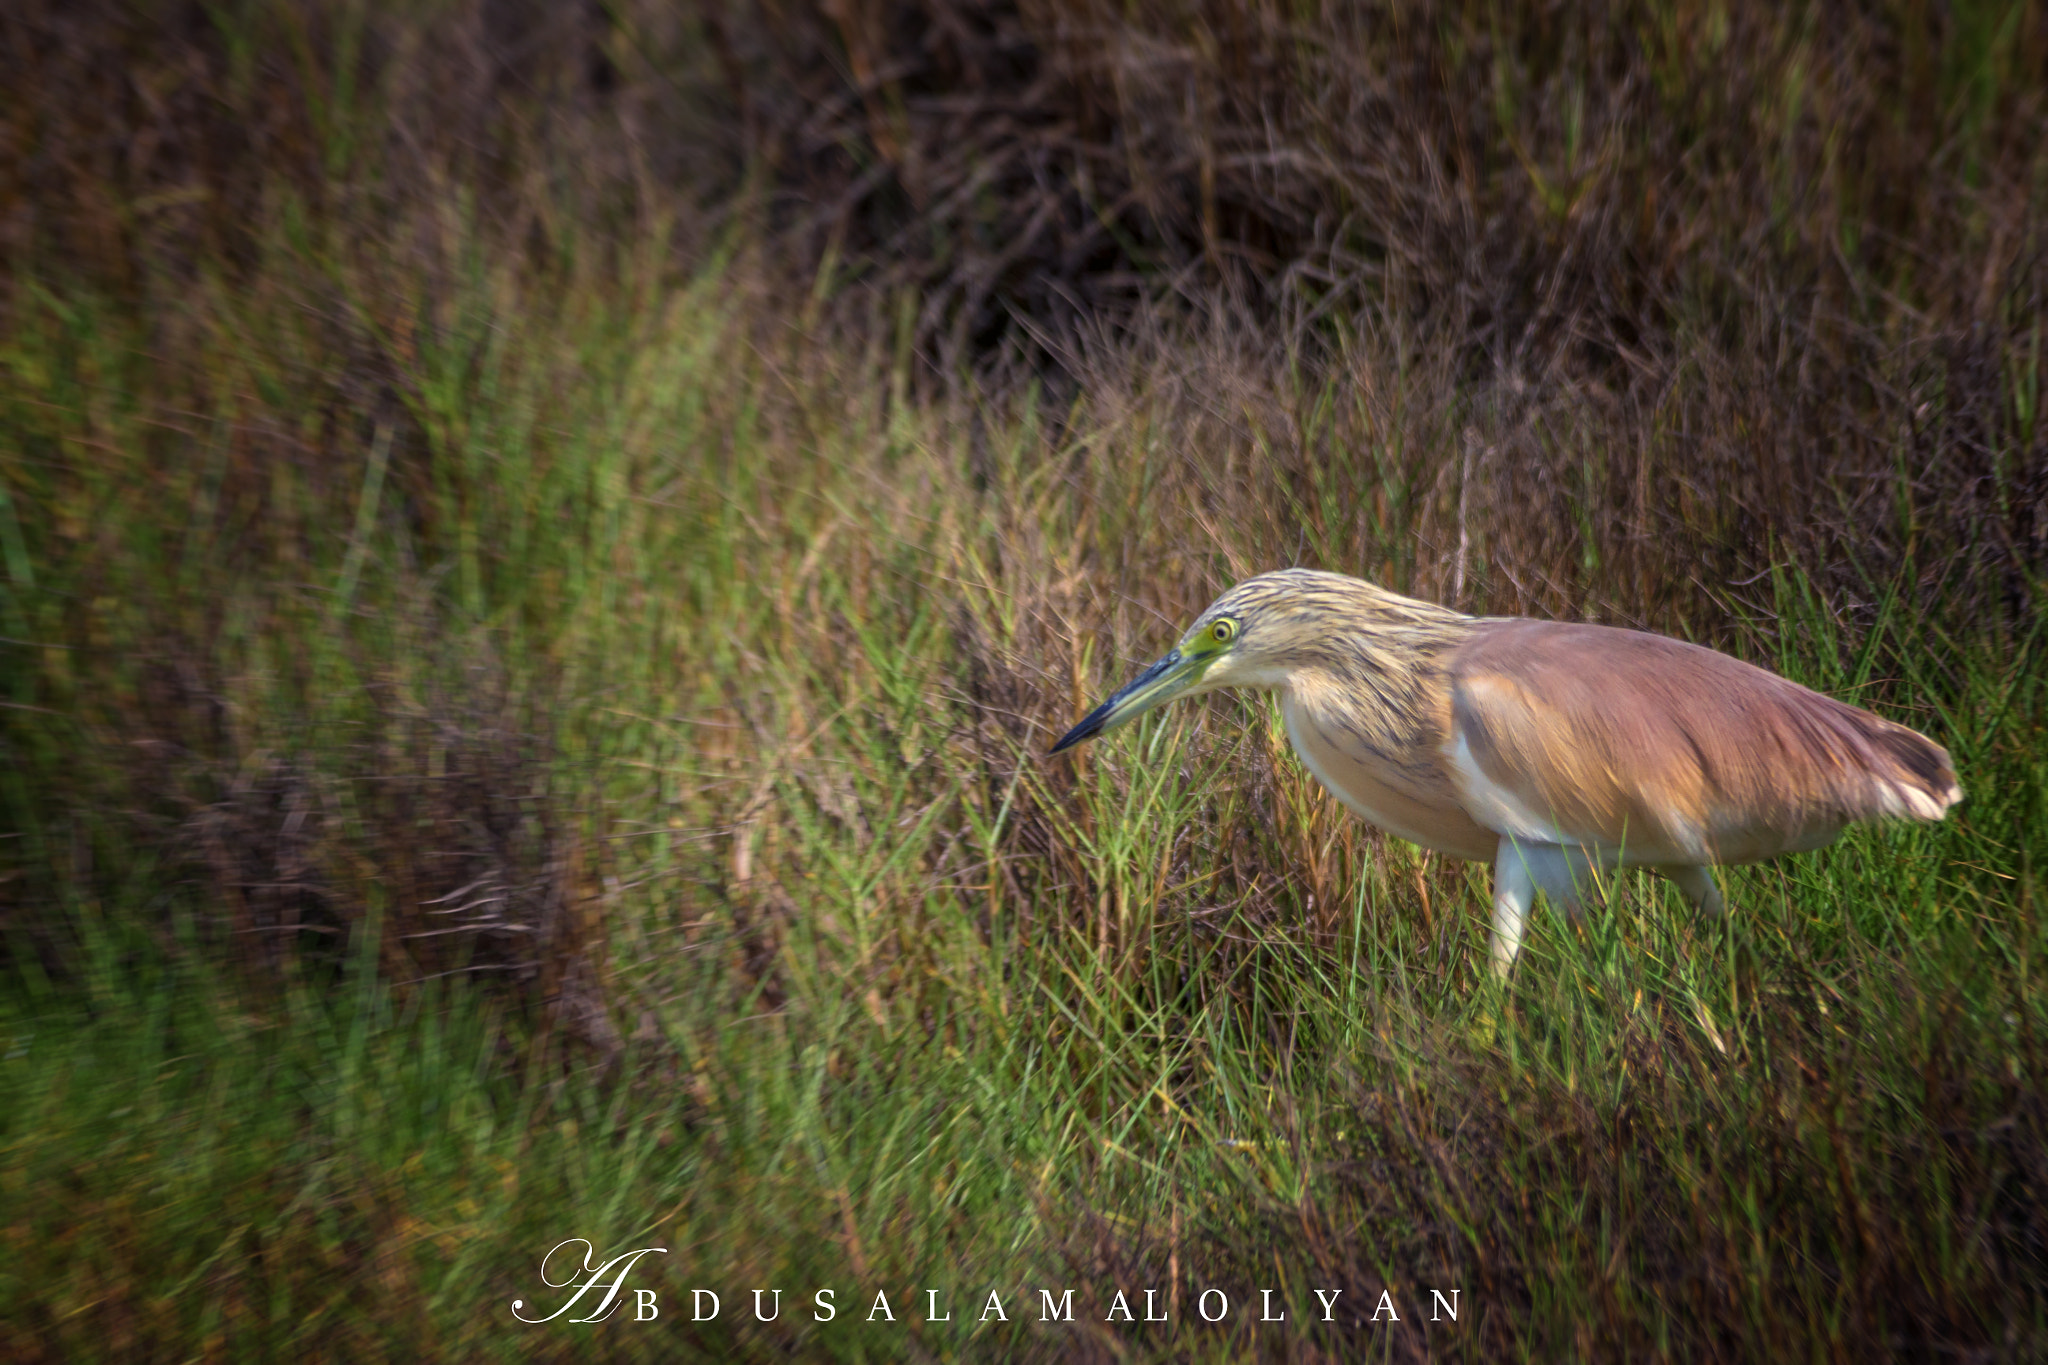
(1252,636)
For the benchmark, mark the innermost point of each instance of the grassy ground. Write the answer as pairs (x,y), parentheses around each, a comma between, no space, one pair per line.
(522,728)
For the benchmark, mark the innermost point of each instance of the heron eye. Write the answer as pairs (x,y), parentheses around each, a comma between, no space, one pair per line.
(1223,631)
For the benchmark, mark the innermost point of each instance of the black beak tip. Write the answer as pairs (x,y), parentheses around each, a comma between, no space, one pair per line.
(1092,723)
(1085,730)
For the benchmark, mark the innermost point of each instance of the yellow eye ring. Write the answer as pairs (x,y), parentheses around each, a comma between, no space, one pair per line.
(1223,631)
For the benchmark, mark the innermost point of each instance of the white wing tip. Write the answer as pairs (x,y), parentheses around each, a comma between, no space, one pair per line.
(1905,802)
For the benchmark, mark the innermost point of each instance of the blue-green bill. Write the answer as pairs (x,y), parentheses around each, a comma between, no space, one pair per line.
(1156,684)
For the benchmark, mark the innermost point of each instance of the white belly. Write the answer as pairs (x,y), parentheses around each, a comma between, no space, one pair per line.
(1373,797)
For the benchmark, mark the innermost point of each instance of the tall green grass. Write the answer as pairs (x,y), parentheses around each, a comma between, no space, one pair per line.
(855,989)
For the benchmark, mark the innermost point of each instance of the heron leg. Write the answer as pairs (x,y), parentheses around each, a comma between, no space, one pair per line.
(1696,884)
(1513,890)
(1563,874)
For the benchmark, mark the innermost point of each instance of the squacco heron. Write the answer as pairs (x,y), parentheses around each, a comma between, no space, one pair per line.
(1556,751)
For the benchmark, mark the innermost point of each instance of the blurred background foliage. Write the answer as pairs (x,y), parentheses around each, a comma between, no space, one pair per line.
(541,547)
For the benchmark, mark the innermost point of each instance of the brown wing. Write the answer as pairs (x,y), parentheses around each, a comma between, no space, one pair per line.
(1669,752)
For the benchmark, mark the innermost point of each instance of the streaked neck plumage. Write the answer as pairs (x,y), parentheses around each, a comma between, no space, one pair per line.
(1356,657)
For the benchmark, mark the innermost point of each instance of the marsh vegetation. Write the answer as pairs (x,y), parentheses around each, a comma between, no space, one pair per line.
(541,549)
